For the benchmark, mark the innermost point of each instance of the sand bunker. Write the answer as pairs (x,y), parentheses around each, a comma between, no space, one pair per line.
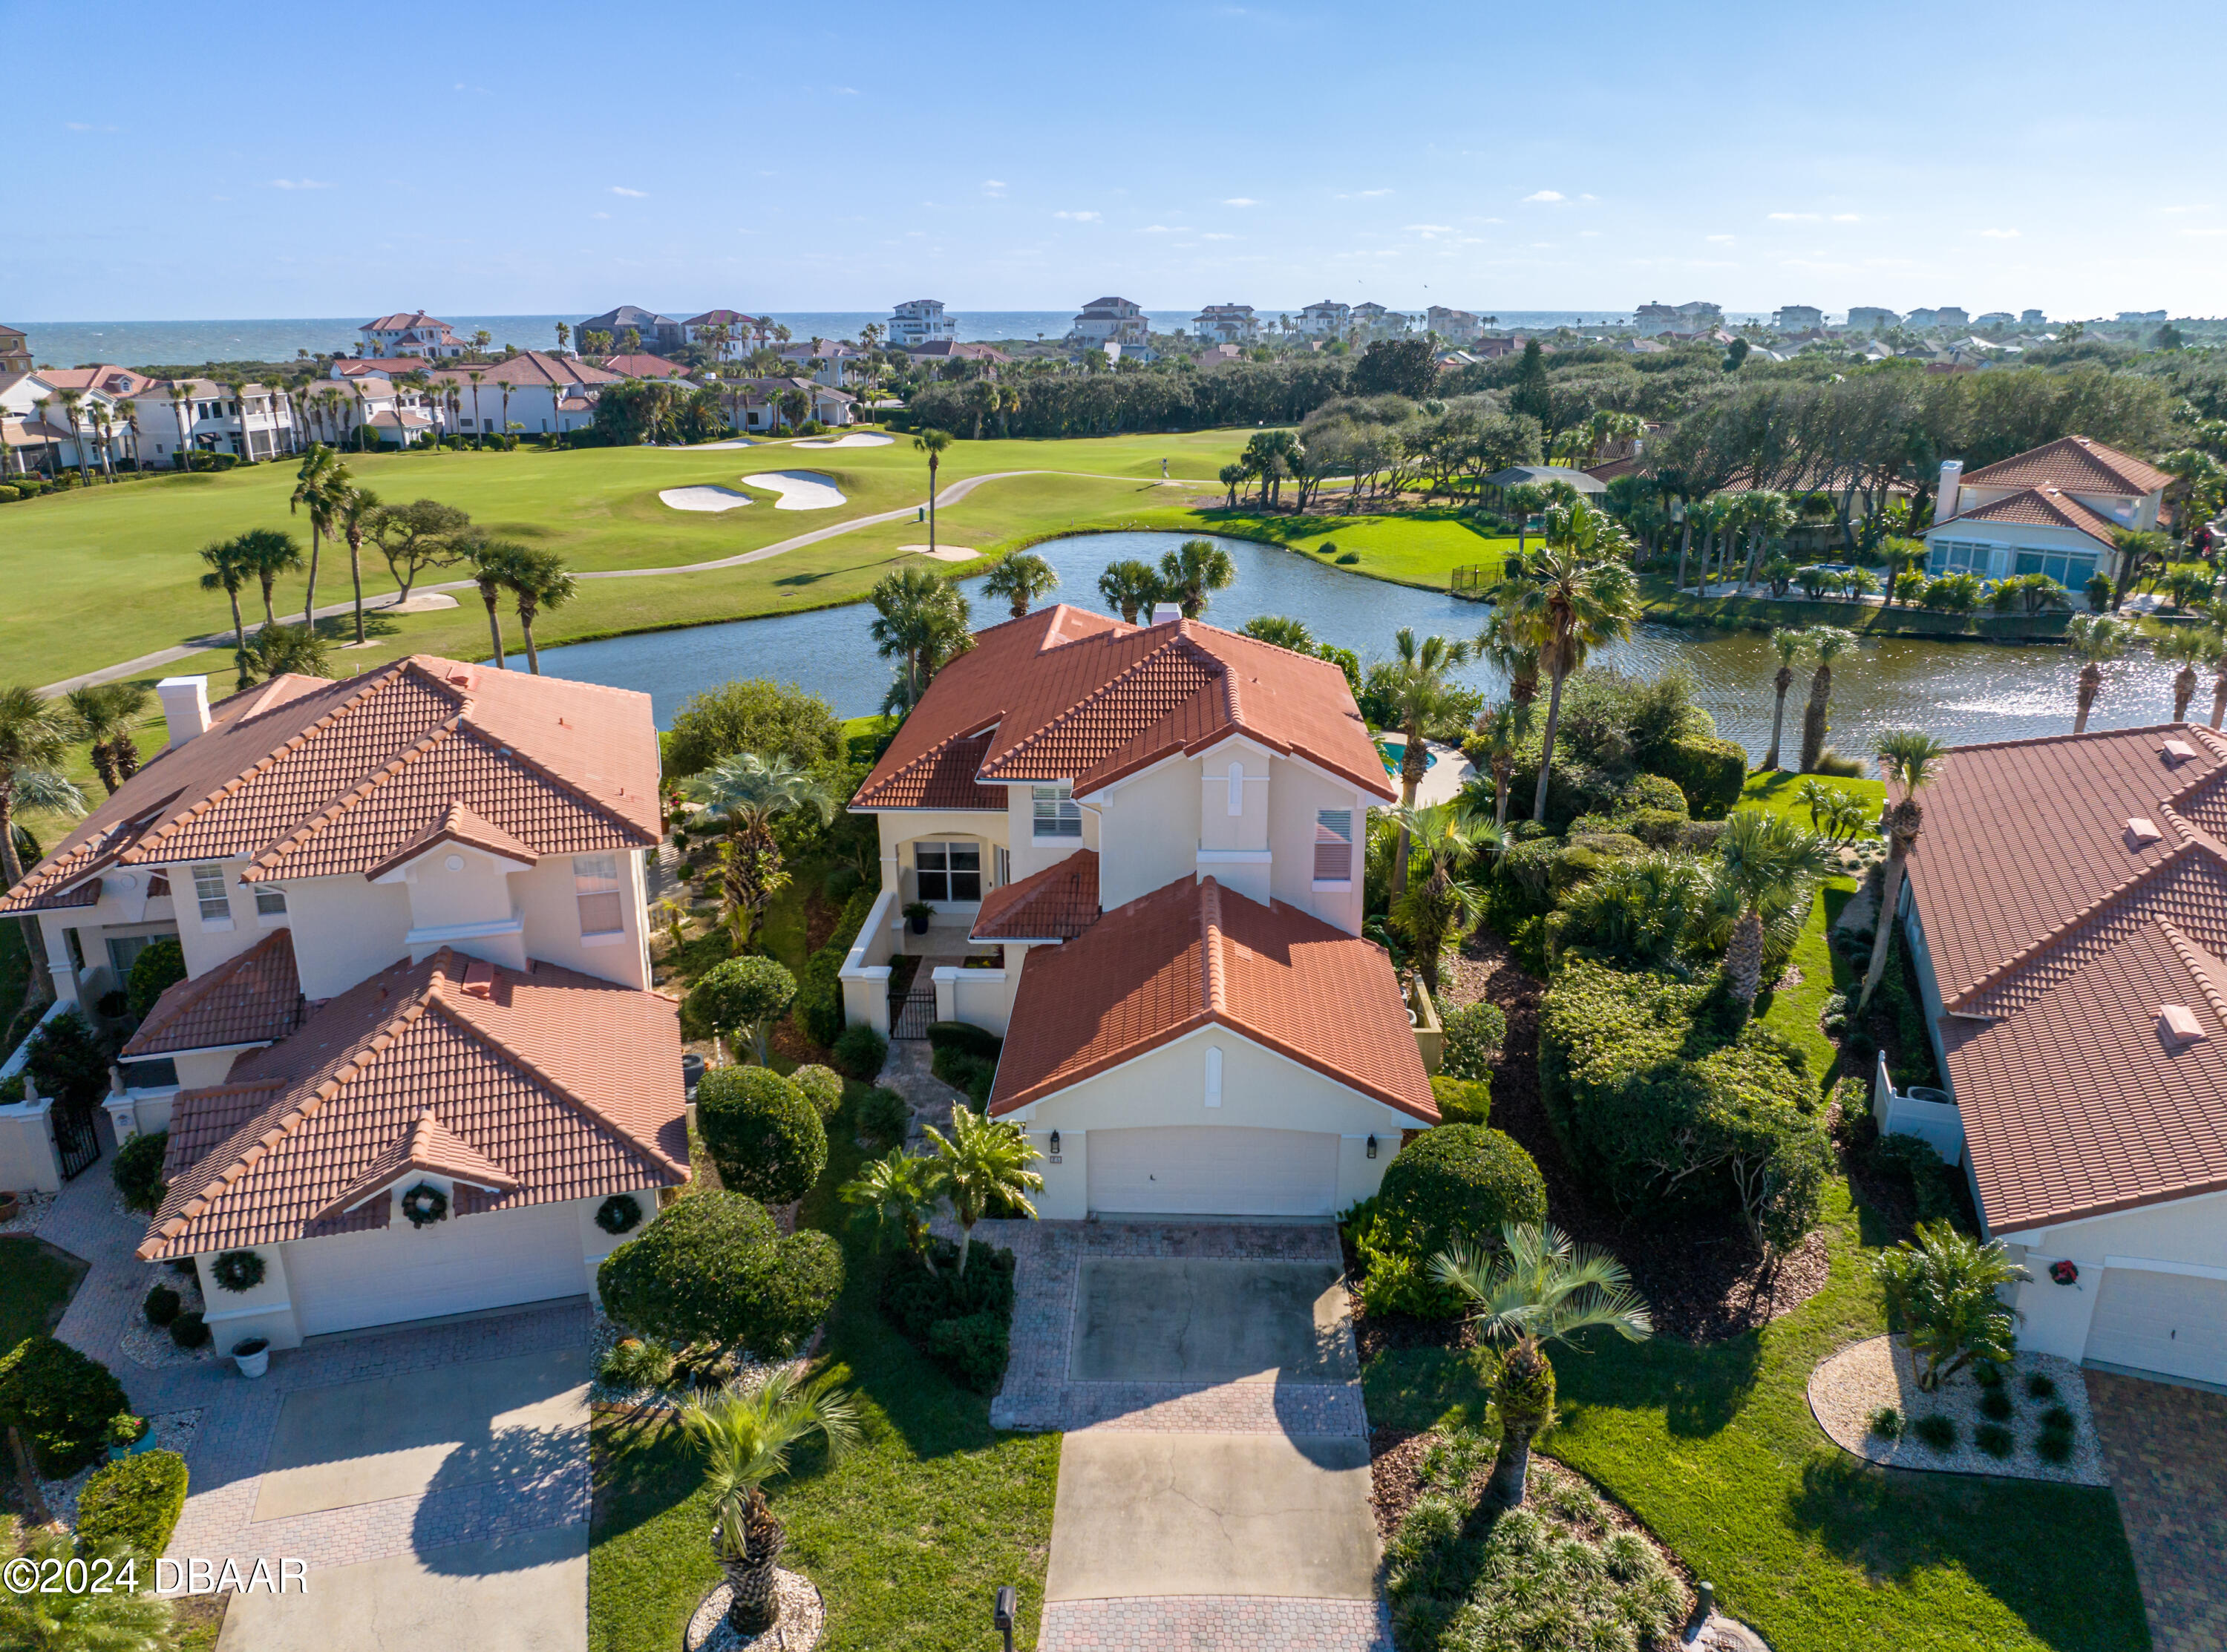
(858,439)
(713,447)
(800,490)
(944,553)
(704,499)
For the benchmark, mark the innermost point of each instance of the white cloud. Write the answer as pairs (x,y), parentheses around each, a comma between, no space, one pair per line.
(2000,234)
(636,194)
(1361,195)
(846,92)
(1545,194)
(86,126)
(1079,218)
(1724,239)
(1212,236)
(1166,229)
(298,184)
(1589,197)
(1846,218)
(994,186)
(1430,229)
(1797,218)
(1240,201)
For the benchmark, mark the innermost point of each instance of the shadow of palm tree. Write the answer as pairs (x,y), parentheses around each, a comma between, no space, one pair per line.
(504,1481)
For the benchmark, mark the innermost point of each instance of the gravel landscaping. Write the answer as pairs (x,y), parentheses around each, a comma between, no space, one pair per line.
(145,1344)
(1848,1391)
(174,1431)
(30,1210)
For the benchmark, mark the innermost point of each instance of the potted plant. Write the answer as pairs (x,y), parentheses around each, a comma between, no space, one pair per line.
(251,1356)
(917,913)
(9,1206)
(128,1436)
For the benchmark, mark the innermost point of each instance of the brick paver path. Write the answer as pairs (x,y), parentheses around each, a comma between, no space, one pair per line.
(2167,1448)
(238,1416)
(1037,1394)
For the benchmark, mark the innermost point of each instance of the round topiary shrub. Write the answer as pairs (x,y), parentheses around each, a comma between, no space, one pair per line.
(1462,1101)
(741,999)
(713,1267)
(62,1400)
(764,1136)
(139,1170)
(160,965)
(162,1306)
(1459,1182)
(187,1331)
(860,1053)
(820,1086)
(1474,1035)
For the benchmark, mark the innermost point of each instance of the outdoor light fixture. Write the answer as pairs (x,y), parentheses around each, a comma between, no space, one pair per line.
(1372,1147)
(1054,1143)
(1001,1617)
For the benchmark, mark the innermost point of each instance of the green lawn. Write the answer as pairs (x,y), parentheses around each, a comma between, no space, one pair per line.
(1415,548)
(36,1282)
(908,1537)
(1714,1449)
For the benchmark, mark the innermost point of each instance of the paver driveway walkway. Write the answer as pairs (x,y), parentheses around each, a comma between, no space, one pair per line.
(2167,1448)
(1214,1482)
(437,1473)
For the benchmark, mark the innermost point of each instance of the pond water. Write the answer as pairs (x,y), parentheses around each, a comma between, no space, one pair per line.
(1962,692)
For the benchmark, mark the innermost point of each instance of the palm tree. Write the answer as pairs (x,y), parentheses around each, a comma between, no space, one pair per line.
(181,392)
(492,562)
(1281,631)
(1508,646)
(1537,1289)
(60,1619)
(228,571)
(285,651)
(1504,729)
(1764,862)
(896,1192)
(128,411)
(746,1434)
(1948,1290)
(921,620)
(1828,643)
(984,1161)
(2183,646)
(1233,477)
(34,743)
(1020,580)
(354,511)
(1191,570)
(103,714)
(2093,640)
(268,552)
(1909,759)
(479,435)
(319,486)
(1787,643)
(1441,906)
(743,795)
(1422,695)
(932,442)
(2216,632)
(1577,595)
(539,580)
(1130,587)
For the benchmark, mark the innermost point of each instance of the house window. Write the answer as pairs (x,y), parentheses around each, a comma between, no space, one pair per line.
(1001,863)
(596,882)
(948,872)
(209,890)
(1057,815)
(270,903)
(1958,557)
(1333,845)
(2067,569)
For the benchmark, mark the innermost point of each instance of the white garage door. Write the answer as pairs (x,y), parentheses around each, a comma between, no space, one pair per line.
(466,1262)
(1205,1170)
(2169,1322)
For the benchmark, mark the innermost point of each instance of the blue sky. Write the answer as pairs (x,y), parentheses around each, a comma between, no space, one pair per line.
(499,158)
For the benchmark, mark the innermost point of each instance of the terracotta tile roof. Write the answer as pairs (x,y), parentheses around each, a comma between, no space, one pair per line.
(642,366)
(1066,694)
(1195,954)
(457,824)
(253,998)
(531,368)
(1058,904)
(2058,930)
(2044,507)
(562,1086)
(308,778)
(941,777)
(402,319)
(2073,463)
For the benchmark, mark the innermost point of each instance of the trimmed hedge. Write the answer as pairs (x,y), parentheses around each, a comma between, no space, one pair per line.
(819,1006)
(963,1323)
(135,1502)
(820,1086)
(860,1052)
(1459,1182)
(764,1136)
(1709,771)
(965,1057)
(62,1400)
(1462,1101)
(1659,1109)
(713,1267)
(964,1037)
(139,1170)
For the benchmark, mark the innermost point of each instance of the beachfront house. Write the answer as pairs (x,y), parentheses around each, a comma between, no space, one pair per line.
(1110,320)
(921,321)
(651,330)
(1225,324)
(725,333)
(546,394)
(2050,510)
(409,332)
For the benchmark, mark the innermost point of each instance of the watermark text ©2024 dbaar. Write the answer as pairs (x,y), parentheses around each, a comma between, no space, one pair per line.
(196,1575)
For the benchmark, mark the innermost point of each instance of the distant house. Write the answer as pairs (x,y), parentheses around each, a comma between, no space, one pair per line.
(651,331)
(376,367)
(1865,318)
(1793,318)
(761,402)
(1214,355)
(921,321)
(724,332)
(841,363)
(409,332)
(1947,316)
(547,394)
(948,350)
(2033,318)
(1377,322)
(1456,327)
(1538,475)
(639,366)
(1325,318)
(395,414)
(1110,320)
(127,416)
(1225,324)
(15,350)
(1995,318)
(2052,510)
(1696,315)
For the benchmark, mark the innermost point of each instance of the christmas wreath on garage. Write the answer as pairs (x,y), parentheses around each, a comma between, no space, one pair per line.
(620,1214)
(425,1205)
(236,1271)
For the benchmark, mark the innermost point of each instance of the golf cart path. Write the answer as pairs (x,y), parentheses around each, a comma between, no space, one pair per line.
(951,495)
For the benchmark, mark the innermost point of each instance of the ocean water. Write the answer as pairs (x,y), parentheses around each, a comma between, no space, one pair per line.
(131,344)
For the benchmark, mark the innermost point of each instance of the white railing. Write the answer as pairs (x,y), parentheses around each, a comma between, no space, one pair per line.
(1927,1114)
(865,972)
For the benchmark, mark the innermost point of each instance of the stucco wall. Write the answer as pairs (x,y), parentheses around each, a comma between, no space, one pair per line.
(1151,832)
(1020,827)
(898,828)
(346,929)
(2189,1232)
(1296,793)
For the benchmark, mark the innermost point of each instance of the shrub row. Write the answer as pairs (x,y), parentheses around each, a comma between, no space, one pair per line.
(135,1502)
(962,1322)
(965,1057)
(818,1006)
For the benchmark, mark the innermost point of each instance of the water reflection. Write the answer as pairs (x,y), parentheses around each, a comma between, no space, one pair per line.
(1964,691)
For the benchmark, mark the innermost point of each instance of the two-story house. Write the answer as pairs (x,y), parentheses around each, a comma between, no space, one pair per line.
(408,333)
(417,1051)
(725,333)
(1152,836)
(1227,324)
(540,392)
(1456,327)
(921,321)
(1325,318)
(1110,320)
(651,330)
(2050,510)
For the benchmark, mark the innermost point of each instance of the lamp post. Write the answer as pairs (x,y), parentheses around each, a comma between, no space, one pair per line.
(1001,1616)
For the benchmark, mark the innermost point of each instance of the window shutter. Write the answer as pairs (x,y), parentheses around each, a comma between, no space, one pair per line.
(1333,845)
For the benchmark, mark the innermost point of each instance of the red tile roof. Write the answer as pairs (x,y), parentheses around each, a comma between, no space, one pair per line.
(2073,463)
(1066,694)
(2044,507)
(642,366)
(1058,904)
(401,320)
(1195,954)
(2057,934)
(253,998)
(533,368)
(540,1086)
(310,778)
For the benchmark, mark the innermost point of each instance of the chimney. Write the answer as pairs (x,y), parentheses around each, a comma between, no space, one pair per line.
(1166,613)
(1944,498)
(185,704)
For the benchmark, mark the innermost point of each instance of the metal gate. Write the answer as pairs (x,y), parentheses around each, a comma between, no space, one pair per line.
(77,1144)
(910,1015)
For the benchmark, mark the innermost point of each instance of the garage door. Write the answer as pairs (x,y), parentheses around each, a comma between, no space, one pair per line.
(1205,1170)
(453,1267)
(2169,1322)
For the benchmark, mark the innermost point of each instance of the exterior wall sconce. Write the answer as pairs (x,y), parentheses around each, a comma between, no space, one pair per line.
(1054,1147)
(1372,1147)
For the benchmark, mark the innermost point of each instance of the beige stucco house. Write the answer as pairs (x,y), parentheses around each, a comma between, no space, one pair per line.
(2052,510)
(1141,847)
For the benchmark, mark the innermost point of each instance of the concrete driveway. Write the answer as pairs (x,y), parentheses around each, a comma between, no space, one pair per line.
(1155,1319)
(456,1451)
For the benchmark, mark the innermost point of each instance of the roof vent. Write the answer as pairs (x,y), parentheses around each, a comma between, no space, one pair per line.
(460,679)
(2177,751)
(1166,613)
(2140,831)
(2179,1027)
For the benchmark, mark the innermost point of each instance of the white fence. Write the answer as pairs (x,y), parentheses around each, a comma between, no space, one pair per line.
(1917,1113)
(865,972)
